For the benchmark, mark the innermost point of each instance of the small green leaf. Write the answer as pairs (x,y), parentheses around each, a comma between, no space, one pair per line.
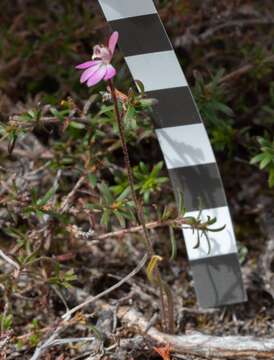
(173,243)
(140,86)
(130,114)
(92,179)
(267,160)
(124,194)
(44,200)
(181,207)
(106,217)
(145,103)
(271,178)
(76,125)
(105,109)
(257,158)
(105,191)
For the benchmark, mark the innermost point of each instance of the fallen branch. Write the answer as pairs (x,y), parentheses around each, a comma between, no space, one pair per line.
(151,225)
(207,346)
(234,75)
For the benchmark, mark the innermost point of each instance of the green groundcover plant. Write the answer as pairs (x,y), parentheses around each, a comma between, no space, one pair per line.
(96,70)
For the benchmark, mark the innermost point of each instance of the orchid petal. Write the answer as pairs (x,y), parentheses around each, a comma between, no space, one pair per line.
(89,72)
(110,73)
(97,76)
(113,41)
(86,64)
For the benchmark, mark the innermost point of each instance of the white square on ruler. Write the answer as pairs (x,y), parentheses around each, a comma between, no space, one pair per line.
(158,70)
(120,9)
(186,145)
(221,243)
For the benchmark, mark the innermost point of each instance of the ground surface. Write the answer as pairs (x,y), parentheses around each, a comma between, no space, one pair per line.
(65,133)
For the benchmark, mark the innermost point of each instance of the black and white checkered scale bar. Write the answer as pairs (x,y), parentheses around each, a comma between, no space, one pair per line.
(185,145)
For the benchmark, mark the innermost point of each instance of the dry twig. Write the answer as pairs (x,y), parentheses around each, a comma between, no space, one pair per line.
(67,200)
(151,225)
(92,299)
(9,260)
(229,347)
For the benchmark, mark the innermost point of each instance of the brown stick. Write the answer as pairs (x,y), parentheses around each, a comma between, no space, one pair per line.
(150,225)
(234,75)
(207,346)
(92,299)
(66,202)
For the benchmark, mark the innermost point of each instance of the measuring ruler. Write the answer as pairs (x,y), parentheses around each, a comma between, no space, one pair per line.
(185,146)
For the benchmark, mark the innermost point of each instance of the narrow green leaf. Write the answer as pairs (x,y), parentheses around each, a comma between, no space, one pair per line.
(173,243)
(92,179)
(140,86)
(266,161)
(77,125)
(44,200)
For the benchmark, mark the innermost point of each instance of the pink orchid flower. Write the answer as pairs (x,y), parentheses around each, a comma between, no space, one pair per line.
(99,68)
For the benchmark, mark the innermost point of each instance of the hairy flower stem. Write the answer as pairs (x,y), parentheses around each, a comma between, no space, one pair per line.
(166,314)
(138,205)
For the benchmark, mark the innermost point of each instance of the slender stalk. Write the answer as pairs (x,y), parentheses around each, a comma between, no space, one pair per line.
(138,205)
(166,314)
